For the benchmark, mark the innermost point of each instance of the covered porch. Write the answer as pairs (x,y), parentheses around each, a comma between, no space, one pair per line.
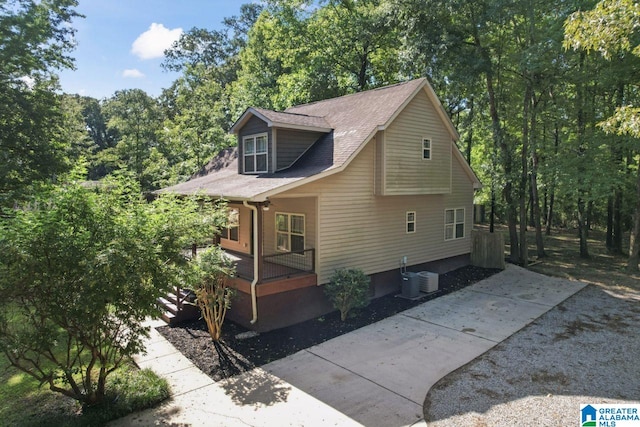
(274,267)
(286,290)
(272,245)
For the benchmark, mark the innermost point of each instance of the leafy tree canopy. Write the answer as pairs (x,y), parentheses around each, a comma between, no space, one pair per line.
(80,271)
(35,37)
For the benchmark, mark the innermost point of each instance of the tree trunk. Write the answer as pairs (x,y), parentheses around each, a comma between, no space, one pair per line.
(581,130)
(493,207)
(535,198)
(512,210)
(634,256)
(524,177)
(617,222)
(499,142)
(470,131)
(616,207)
(552,190)
(609,236)
(582,232)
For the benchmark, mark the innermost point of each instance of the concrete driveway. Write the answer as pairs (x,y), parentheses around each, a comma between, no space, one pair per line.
(378,375)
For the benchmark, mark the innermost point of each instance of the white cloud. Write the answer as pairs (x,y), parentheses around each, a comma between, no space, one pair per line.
(29,81)
(133,74)
(153,42)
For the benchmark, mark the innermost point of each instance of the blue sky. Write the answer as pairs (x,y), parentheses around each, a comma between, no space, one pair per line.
(120,43)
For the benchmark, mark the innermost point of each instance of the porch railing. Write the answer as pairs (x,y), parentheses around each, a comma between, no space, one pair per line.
(274,265)
(287,263)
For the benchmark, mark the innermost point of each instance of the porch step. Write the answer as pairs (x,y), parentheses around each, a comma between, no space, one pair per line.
(168,305)
(170,312)
(169,318)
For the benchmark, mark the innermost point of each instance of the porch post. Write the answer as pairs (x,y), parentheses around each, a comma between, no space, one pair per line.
(259,235)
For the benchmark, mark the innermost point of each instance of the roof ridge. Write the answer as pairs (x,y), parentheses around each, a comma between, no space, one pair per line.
(356,93)
(287,112)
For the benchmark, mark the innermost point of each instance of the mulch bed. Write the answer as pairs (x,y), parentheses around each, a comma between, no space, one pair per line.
(232,355)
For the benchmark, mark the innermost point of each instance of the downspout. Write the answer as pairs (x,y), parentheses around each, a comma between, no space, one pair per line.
(254,282)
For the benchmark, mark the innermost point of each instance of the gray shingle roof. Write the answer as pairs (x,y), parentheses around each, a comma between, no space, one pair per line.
(293,119)
(283,119)
(220,178)
(354,119)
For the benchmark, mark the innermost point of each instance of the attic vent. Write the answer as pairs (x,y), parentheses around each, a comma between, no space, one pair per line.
(428,281)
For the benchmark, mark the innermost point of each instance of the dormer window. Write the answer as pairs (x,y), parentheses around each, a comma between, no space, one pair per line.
(255,153)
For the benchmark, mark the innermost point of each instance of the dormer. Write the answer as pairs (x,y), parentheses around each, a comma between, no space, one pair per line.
(270,141)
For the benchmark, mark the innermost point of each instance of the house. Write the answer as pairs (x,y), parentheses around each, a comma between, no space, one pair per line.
(364,180)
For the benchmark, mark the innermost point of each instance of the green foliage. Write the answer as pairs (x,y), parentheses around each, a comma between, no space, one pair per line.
(348,289)
(195,131)
(136,118)
(36,37)
(32,148)
(211,272)
(81,269)
(609,28)
(296,53)
(131,389)
(25,403)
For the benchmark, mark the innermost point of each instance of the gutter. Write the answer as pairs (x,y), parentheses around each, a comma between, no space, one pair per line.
(254,282)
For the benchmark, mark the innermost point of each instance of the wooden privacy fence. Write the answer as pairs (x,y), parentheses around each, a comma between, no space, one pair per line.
(487,249)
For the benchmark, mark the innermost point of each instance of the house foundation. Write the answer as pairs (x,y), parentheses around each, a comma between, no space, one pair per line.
(297,299)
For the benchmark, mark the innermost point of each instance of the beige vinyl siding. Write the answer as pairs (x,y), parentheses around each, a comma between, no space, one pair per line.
(379,171)
(460,197)
(244,232)
(305,206)
(356,228)
(291,144)
(406,172)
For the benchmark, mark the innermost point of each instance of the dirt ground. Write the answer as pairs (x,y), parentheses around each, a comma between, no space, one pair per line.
(583,351)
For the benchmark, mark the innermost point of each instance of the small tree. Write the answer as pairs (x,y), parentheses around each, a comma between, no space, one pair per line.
(80,270)
(348,289)
(213,295)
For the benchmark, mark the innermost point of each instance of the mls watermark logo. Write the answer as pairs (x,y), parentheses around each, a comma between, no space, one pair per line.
(619,415)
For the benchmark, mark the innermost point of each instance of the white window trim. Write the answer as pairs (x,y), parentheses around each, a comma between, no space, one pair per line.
(455,222)
(304,234)
(424,140)
(410,222)
(255,153)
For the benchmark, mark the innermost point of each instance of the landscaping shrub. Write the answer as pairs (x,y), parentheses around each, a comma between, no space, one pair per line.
(213,295)
(348,289)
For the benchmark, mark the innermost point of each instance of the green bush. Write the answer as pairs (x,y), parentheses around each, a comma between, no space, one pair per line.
(129,390)
(348,289)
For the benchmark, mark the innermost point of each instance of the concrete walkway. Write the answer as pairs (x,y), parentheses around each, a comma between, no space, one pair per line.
(378,375)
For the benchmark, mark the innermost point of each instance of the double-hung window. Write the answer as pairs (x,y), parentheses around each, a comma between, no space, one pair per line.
(255,153)
(453,224)
(411,222)
(289,232)
(426,148)
(233,225)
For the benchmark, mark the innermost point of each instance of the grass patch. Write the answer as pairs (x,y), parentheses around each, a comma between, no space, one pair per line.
(23,402)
